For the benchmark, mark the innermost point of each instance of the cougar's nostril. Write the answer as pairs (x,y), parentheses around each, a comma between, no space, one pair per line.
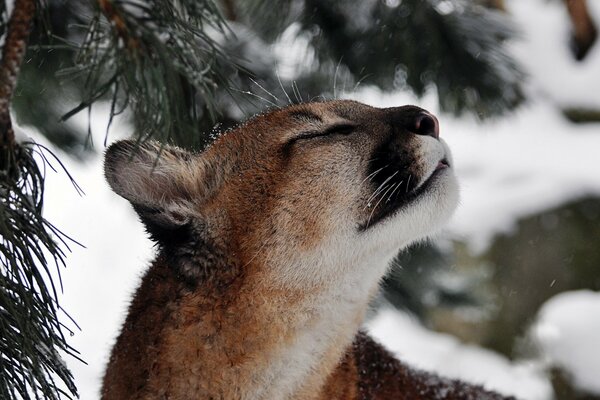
(427,124)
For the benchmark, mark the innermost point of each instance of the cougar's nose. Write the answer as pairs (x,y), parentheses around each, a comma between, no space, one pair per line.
(426,124)
(415,120)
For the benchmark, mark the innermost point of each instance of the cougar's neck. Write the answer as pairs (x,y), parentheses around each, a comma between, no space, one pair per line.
(309,318)
(190,335)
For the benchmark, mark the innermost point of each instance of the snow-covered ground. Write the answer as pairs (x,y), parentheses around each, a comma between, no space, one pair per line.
(567,331)
(513,167)
(446,355)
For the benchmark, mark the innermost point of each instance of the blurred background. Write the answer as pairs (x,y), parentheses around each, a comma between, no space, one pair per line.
(507,296)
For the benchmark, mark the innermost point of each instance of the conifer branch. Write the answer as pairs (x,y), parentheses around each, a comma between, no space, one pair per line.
(161,60)
(31,335)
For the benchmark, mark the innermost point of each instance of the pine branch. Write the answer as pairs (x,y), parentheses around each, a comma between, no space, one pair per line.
(160,59)
(455,47)
(31,335)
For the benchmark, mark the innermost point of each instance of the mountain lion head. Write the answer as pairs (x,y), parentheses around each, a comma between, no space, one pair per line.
(309,190)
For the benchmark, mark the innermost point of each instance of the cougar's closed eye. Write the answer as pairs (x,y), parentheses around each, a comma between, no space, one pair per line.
(338,129)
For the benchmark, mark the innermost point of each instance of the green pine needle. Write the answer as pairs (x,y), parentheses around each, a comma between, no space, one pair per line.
(32,341)
(158,59)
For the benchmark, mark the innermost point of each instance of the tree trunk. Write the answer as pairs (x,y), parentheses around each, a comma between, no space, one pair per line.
(497,4)
(584,31)
(15,45)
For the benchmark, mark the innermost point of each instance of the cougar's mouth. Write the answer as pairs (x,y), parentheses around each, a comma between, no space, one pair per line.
(396,188)
(442,164)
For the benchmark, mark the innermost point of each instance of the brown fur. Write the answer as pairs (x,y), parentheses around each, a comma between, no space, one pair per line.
(231,292)
(380,376)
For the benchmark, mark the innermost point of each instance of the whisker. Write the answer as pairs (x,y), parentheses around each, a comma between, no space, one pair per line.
(391,194)
(383,195)
(344,87)
(337,68)
(385,182)
(265,90)
(282,88)
(408,183)
(262,246)
(375,193)
(380,189)
(376,205)
(319,96)
(372,174)
(255,95)
(360,81)
(296,92)
(397,194)
(372,197)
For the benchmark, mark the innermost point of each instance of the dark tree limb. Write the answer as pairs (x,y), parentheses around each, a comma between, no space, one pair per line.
(15,45)
(584,29)
(497,4)
(230,12)
(114,16)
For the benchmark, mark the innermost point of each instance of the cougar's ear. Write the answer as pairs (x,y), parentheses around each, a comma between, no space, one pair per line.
(166,185)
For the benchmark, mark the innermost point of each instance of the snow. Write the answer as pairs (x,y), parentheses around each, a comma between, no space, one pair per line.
(513,168)
(546,54)
(444,354)
(100,278)
(567,332)
(535,159)
(509,168)
(293,52)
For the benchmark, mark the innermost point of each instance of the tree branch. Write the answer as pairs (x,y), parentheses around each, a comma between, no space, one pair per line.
(112,14)
(230,12)
(584,30)
(15,45)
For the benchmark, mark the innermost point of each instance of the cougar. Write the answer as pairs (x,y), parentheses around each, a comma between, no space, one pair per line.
(270,245)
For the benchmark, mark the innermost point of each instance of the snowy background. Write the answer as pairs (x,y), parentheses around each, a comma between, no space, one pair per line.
(511,168)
